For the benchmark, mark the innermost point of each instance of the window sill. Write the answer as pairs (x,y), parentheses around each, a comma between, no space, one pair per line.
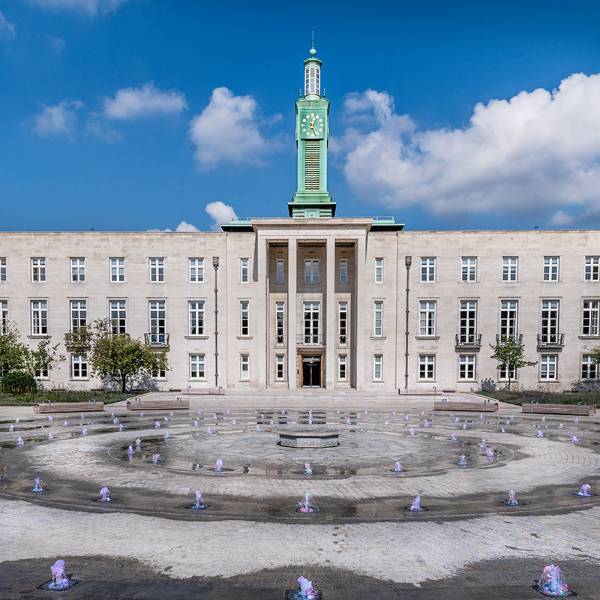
(589,337)
(377,381)
(245,337)
(79,379)
(196,337)
(39,336)
(548,380)
(197,380)
(379,337)
(426,380)
(427,337)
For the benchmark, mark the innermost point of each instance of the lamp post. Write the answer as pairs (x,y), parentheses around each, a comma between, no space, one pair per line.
(407,264)
(216,268)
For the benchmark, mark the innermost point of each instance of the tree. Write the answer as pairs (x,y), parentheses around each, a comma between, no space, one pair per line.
(43,358)
(119,356)
(596,356)
(12,351)
(510,355)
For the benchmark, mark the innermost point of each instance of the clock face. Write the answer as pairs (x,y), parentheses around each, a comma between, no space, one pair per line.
(311,125)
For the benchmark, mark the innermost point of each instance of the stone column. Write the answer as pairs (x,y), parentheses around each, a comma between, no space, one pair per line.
(360,308)
(262,345)
(292,265)
(329,329)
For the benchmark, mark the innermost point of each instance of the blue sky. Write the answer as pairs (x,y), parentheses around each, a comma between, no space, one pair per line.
(136,114)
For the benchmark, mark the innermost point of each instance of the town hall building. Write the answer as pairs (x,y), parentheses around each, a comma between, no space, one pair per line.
(311,300)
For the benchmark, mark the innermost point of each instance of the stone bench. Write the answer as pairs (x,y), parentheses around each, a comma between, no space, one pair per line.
(178,404)
(68,407)
(585,410)
(458,406)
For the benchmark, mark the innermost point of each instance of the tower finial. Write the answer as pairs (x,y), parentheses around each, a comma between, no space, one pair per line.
(313,50)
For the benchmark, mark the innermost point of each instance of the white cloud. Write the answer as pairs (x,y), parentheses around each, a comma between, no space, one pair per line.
(90,7)
(536,153)
(133,103)
(7,29)
(59,119)
(229,129)
(186,227)
(220,213)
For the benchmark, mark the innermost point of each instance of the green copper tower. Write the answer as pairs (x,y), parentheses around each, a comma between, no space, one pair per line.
(312,200)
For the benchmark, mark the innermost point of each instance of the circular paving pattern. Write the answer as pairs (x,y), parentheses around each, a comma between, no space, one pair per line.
(262,480)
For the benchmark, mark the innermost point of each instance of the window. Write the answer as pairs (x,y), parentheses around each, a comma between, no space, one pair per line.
(379,270)
(343,323)
(551,266)
(427,367)
(343,270)
(196,269)
(427,269)
(41,372)
(510,267)
(466,367)
(196,317)
(3,315)
(79,367)
(343,367)
(311,322)
(244,367)
(157,270)
(159,373)
(279,367)
(468,322)
(117,270)
(311,271)
(509,310)
(549,367)
(39,317)
(244,318)
(38,270)
(505,373)
(197,366)
(77,269)
(378,367)
(591,318)
(592,268)
(378,318)
(244,270)
(157,314)
(280,322)
(589,369)
(78,314)
(550,321)
(280,271)
(427,317)
(2,269)
(468,269)
(118,316)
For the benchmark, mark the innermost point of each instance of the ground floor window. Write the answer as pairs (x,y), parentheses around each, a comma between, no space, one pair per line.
(197,366)
(244,367)
(505,373)
(342,367)
(41,373)
(280,367)
(378,367)
(427,367)
(79,366)
(549,367)
(466,367)
(589,370)
(160,373)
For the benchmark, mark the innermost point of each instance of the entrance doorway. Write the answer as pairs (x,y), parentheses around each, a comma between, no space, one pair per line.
(311,371)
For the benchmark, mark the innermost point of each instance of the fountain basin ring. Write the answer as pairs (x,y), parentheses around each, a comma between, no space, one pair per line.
(307,438)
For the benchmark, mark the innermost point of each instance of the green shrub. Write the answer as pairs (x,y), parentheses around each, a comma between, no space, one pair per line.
(18,382)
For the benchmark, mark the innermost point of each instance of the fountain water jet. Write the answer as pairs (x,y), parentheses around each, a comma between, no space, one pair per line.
(60,581)
(512,498)
(585,491)
(155,458)
(37,485)
(219,466)
(416,504)
(397,467)
(553,583)
(199,504)
(305,591)
(20,442)
(104,494)
(462,461)
(308,469)
(307,504)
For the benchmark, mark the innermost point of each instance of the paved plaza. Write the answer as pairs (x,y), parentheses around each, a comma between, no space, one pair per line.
(251,542)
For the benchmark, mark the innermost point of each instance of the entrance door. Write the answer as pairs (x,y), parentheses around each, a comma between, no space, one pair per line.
(311,371)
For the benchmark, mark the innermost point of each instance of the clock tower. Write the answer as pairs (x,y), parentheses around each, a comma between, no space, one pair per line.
(312,200)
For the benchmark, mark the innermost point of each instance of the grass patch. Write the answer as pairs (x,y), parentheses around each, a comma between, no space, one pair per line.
(525,396)
(63,396)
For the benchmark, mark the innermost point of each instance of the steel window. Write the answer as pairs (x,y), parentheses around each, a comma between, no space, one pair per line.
(77,269)
(196,317)
(196,269)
